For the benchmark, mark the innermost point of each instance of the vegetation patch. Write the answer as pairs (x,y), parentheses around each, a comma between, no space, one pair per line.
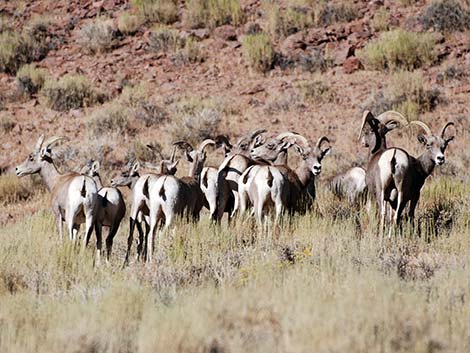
(194,119)
(112,117)
(192,52)
(6,123)
(161,11)
(12,189)
(407,94)
(213,13)
(129,23)
(445,16)
(327,13)
(258,51)
(15,50)
(98,36)
(30,79)
(70,92)
(165,39)
(399,49)
(315,91)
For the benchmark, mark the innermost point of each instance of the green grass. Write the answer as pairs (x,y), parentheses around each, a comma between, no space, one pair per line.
(319,282)
(258,51)
(399,49)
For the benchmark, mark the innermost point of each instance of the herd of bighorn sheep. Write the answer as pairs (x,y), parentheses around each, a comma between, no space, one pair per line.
(254,173)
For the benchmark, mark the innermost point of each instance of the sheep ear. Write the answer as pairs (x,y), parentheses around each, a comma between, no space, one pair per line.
(422,139)
(135,167)
(391,125)
(325,151)
(45,152)
(95,166)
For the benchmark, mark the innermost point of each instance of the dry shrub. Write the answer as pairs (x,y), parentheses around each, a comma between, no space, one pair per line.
(129,23)
(6,124)
(15,50)
(282,23)
(30,79)
(315,91)
(112,117)
(445,16)
(70,92)
(213,13)
(12,190)
(165,39)
(380,21)
(194,119)
(399,49)
(327,13)
(192,52)
(161,11)
(407,94)
(258,51)
(98,36)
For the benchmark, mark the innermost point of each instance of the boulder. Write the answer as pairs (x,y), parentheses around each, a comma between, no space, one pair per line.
(351,64)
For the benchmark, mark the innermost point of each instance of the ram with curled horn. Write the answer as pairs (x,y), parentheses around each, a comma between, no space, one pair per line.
(172,197)
(139,184)
(402,176)
(285,189)
(74,196)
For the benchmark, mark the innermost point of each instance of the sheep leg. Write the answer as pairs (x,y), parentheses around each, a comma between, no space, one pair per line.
(109,240)
(129,240)
(99,241)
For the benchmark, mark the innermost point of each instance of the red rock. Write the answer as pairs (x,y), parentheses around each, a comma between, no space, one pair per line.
(226,32)
(351,64)
(341,52)
(293,42)
(253,90)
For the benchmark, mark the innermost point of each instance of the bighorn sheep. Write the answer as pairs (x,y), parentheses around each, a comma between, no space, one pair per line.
(237,161)
(350,184)
(401,176)
(110,207)
(139,185)
(273,152)
(284,188)
(170,197)
(74,196)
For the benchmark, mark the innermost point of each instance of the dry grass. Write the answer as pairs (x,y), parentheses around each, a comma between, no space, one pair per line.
(12,190)
(30,79)
(258,51)
(70,92)
(98,36)
(110,118)
(213,13)
(399,49)
(161,11)
(129,23)
(318,282)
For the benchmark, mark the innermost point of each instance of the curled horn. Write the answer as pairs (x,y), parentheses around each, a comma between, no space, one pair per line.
(423,125)
(321,140)
(53,140)
(392,115)
(155,150)
(206,143)
(450,123)
(183,145)
(296,136)
(39,143)
(365,117)
(255,133)
(223,139)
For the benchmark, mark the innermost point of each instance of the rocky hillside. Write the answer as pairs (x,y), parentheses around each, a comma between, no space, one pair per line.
(114,75)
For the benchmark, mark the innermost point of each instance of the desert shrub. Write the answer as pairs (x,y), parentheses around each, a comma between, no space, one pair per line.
(5,24)
(194,119)
(313,60)
(327,13)
(165,39)
(213,13)
(399,49)
(112,117)
(192,52)
(98,36)
(258,51)
(6,124)
(380,21)
(161,11)
(282,23)
(445,16)
(451,72)
(30,79)
(407,94)
(70,92)
(129,23)
(12,190)
(15,50)
(142,152)
(315,91)
(132,96)
(42,40)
